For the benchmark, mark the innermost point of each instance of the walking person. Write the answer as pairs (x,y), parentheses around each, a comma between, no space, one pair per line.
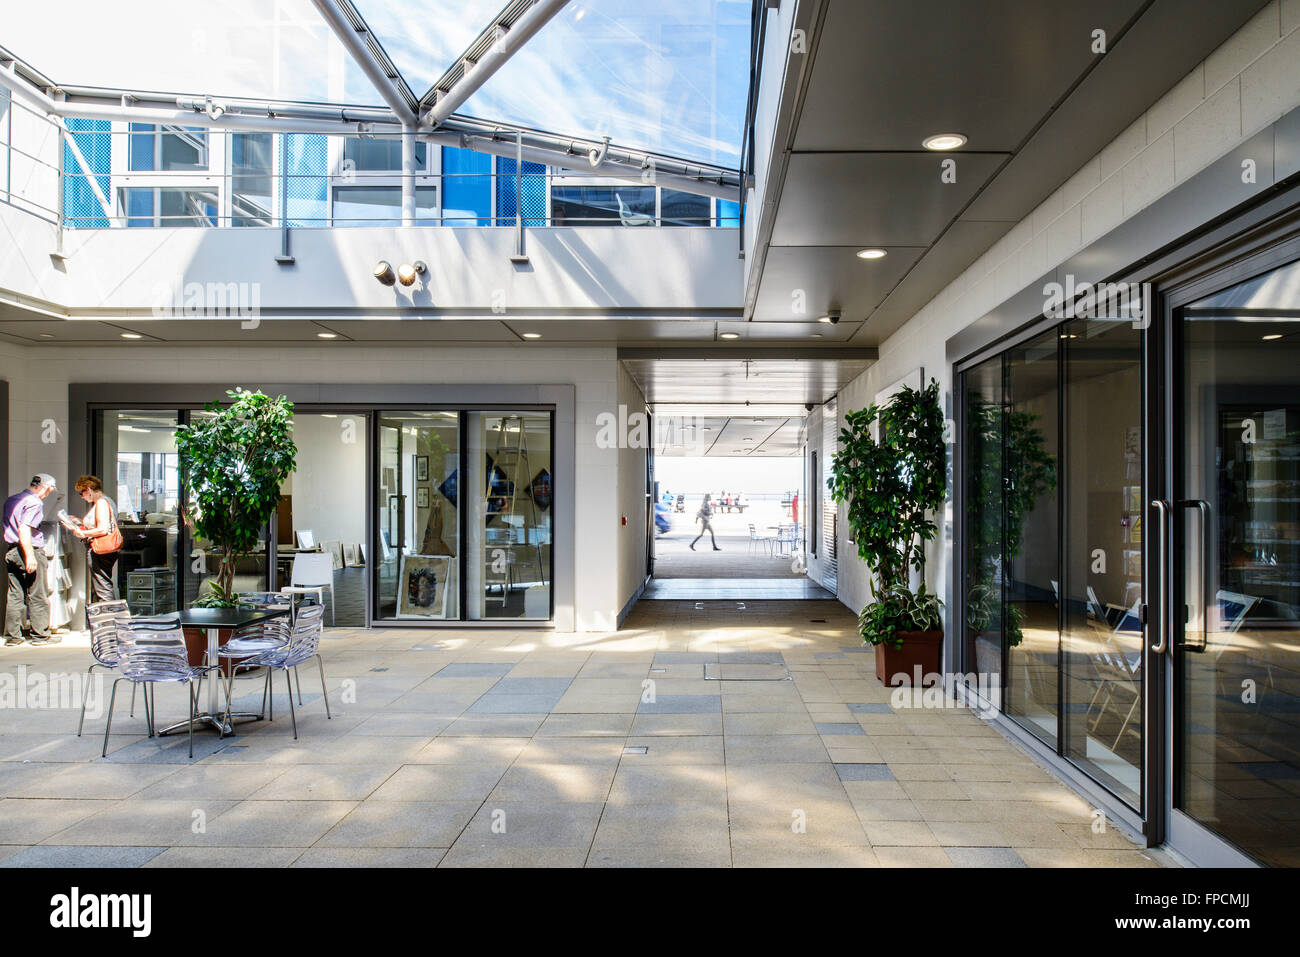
(26,564)
(703,516)
(100,533)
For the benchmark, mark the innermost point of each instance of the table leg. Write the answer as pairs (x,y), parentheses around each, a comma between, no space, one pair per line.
(214,645)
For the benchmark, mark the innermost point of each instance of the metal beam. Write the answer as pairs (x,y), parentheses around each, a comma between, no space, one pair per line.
(365,48)
(490,51)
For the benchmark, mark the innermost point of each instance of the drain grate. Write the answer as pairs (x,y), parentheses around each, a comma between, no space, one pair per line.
(378,669)
(637,750)
(723,671)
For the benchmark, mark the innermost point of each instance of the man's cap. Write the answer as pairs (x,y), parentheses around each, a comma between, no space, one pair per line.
(44,478)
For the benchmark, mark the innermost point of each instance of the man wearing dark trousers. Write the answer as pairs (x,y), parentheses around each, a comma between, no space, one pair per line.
(26,564)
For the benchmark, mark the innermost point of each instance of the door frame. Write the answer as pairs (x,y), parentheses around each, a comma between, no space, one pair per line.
(1256,251)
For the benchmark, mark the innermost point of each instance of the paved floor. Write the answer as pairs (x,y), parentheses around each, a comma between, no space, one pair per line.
(731,589)
(455,748)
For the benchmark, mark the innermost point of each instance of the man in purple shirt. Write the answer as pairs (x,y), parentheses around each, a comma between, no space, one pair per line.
(26,563)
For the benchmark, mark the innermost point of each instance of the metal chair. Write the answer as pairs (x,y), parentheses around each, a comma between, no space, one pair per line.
(302,646)
(151,651)
(106,617)
(757,539)
(312,573)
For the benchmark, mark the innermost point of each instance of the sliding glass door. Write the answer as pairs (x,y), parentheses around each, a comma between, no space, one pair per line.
(1236,525)
(1052,557)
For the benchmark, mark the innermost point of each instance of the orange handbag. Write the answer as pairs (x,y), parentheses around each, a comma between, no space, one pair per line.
(112,542)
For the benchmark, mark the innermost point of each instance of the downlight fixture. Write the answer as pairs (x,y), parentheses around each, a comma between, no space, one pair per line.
(872,252)
(384,273)
(728,335)
(942,142)
(407,272)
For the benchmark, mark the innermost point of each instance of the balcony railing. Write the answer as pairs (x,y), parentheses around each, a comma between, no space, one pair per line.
(97,174)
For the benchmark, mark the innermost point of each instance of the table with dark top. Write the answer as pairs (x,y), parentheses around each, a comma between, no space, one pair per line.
(217,620)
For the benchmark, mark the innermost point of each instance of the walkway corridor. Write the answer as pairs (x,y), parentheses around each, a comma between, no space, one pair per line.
(456,748)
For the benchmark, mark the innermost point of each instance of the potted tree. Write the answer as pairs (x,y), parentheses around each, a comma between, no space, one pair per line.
(890,472)
(234,462)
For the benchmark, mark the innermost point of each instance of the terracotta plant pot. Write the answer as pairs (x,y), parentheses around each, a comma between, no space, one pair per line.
(921,649)
(196,643)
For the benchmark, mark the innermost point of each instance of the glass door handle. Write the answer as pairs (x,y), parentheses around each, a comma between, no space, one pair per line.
(1162,538)
(1203,510)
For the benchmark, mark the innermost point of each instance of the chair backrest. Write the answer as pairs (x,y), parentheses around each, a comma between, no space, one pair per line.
(306,538)
(153,650)
(307,630)
(264,599)
(107,618)
(316,568)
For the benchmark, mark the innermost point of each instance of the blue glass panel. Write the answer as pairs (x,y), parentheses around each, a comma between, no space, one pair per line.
(139,207)
(466,198)
(728,213)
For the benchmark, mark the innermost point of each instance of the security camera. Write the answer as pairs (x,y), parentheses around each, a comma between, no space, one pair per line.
(808,407)
(832,316)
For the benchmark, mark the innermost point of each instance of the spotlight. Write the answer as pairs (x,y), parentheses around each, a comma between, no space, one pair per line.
(832,316)
(406,273)
(384,273)
(944,141)
(729,335)
(872,253)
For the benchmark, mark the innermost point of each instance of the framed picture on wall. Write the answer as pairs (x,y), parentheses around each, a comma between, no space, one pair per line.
(422,497)
(422,468)
(423,581)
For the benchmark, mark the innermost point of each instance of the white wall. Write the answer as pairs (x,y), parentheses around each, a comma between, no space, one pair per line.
(329,488)
(39,377)
(1249,82)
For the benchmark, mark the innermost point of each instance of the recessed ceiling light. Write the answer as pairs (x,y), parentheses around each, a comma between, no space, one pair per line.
(46,335)
(1068,335)
(944,141)
(327,335)
(132,335)
(1270,338)
(817,335)
(872,253)
(532,335)
(729,335)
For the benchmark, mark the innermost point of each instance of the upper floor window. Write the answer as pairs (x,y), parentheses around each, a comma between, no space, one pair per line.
(382,154)
(166,147)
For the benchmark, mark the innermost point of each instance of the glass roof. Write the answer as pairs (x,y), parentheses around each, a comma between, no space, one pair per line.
(669,76)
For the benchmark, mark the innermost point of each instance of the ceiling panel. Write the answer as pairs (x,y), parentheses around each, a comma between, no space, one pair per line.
(807,381)
(961,245)
(874,199)
(818,278)
(904,71)
(743,434)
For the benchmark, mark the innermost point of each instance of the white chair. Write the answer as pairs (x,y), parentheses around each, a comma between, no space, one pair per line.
(306,538)
(312,573)
(629,218)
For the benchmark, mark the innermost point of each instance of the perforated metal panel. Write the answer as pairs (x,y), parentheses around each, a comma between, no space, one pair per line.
(306,163)
(533,188)
(82,209)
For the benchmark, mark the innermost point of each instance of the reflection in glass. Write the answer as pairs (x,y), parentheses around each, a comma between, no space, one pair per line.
(1031,613)
(418,502)
(1238,664)
(137,462)
(509,492)
(983,531)
(1103,551)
